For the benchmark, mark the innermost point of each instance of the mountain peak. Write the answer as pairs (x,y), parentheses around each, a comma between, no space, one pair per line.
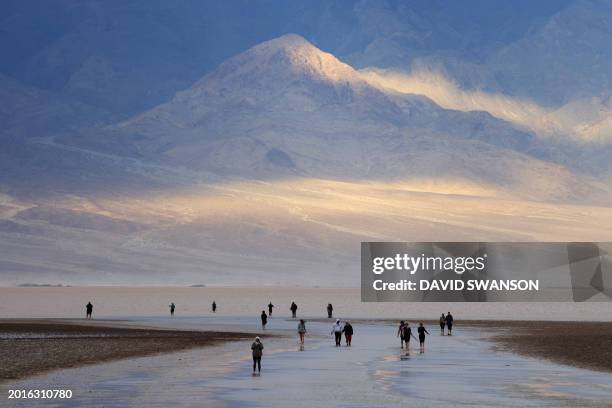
(290,55)
(304,57)
(287,41)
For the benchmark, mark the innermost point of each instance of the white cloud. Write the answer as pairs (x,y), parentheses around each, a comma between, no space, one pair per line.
(588,119)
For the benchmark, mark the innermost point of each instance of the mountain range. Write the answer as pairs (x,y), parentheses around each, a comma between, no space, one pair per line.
(120,166)
(284,108)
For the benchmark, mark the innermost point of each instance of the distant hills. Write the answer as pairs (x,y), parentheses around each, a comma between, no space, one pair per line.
(237,142)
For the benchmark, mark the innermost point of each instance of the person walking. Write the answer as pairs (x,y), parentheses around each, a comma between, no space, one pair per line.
(88,310)
(257,348)
(264,319)
(407,335)
(348,333)
(214,306)
(302,330)
(293,309)
(172,307)
(449,323)
(442,324)
(422,330)
(270,307)
(337,332)
(400,333)
(330,310)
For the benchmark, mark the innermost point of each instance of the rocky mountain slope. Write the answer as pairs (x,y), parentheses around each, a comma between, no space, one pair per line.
(285,109)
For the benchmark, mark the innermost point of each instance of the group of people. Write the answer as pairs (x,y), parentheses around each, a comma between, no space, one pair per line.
(257,346)
(342,328)
(448,322)
(404,332)
(338,329)
(89,309)
(172,306)
(264,316)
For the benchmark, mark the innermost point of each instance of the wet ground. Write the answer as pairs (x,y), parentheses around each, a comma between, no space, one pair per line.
(463,369)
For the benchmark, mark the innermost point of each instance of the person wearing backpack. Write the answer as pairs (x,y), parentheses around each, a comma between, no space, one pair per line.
(302,331)
(257,348)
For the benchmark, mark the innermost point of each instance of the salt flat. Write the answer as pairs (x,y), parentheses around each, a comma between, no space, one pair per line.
(152,302)
(463,369)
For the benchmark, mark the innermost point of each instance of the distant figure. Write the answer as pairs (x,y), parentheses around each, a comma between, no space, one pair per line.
(407,335)
(449,323)
(422,330)
(270,307)
(257,348)
(442,324)
(89,310)
(214,306)
(293,309)
(264,319)
(348,333)
(400,333)
(302,330)
(172,307)
(330,310)
(337,332)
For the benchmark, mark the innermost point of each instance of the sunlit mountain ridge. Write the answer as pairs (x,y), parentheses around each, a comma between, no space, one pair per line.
(287,109)
(191,147)
(585,120)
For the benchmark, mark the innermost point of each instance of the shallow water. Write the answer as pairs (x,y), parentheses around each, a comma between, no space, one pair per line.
(460,370)
(154,301)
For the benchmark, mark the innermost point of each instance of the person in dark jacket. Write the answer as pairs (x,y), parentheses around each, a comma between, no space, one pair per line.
(407,335)
(400,333)
(293,309)
(330,310)
(348,333)
(257,348)
(449,323)
(264,319)
(172,307)
(270,307)
(214,306)
(422,330)
(88,310)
